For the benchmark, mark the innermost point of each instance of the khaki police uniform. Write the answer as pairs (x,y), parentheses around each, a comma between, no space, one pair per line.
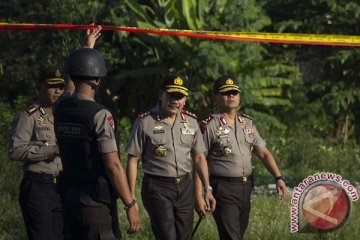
(33,142)
(229,151)
(166,152)
(89,200)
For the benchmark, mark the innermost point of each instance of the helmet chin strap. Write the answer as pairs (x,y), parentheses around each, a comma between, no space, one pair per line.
(93,85)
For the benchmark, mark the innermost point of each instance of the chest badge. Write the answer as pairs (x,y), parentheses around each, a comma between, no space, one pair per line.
(227,151)
(160,151)
(158,127)
(188,131)
(41,121)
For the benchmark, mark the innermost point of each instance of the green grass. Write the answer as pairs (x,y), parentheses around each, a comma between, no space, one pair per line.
(269,220)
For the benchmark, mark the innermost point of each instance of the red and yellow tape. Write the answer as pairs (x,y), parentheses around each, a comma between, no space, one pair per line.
(283,38)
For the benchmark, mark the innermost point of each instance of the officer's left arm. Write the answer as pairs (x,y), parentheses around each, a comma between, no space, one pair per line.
(270,164)
(201,168)
(202,173)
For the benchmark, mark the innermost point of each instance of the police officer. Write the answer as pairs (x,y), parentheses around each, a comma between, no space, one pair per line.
(230,138)
(168,138)
(33,142)
(93,174)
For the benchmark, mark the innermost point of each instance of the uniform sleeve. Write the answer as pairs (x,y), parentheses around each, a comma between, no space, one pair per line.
(258,141)
(206,134)
(105,131)
(21,145)
(198,146)
(137,139)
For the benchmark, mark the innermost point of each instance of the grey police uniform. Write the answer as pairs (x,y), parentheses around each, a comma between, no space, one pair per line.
(33,142)
(166,152)
(229,151)
(89,204)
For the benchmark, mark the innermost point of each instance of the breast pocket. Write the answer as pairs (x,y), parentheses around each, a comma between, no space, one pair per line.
(158,139)
(249,135)
(43,133)
(187,140)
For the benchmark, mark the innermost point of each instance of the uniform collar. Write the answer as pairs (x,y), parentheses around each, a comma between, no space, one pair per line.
(157,114)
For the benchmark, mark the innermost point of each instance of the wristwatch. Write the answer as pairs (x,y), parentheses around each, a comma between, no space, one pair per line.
(208,188)
(279,177)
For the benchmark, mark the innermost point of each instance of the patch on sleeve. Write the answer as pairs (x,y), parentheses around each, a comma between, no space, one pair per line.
(247,116)
(30,110)
(204,123)
(111,121)
(193,115)
(142,115)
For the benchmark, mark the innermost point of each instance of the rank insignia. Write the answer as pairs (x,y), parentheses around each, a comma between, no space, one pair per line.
(30,110)
(161,151)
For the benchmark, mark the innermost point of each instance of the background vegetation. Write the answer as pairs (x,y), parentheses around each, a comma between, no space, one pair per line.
(304,99)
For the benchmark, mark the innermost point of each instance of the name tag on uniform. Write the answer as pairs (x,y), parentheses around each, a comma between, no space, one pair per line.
(159,131)
(187,131)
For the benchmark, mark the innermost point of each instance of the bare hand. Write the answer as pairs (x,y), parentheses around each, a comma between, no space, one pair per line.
(91,36)
(210,201)
(282,189)
(200,206)
(134,220)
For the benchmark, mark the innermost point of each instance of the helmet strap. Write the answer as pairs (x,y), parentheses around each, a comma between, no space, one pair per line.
(92,85)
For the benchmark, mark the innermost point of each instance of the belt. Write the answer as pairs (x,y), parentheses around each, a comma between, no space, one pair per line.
(176,180)
(40,177)
(243,179)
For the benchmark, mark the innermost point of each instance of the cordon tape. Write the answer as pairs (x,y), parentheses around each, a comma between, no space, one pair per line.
(283,38)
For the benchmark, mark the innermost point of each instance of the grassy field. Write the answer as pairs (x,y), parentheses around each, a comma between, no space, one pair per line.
(269,220)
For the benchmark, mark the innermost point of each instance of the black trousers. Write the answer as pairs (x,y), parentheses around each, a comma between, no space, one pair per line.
(88,219)
(170,206)
(232,207)
(41,207)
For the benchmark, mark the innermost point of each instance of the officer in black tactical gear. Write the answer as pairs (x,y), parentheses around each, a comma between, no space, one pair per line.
(93,176)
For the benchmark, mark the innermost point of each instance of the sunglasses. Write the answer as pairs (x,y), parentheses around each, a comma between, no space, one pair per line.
(59,86)
(228,93)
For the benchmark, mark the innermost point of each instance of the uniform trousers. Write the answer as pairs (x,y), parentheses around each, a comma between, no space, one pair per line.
(170,205)
(232,206)
(88,219)
(41,207)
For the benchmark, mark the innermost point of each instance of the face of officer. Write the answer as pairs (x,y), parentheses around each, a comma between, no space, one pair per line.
(49,93)
(228,101)
(172,103)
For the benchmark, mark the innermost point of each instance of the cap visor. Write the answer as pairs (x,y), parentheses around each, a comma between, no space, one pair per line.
(53,81)
(227,89)
(177,90)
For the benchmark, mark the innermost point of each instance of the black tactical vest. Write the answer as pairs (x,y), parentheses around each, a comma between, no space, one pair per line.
(75,133)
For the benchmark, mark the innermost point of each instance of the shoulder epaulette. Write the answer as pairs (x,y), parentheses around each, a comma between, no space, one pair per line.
(142,115)
(31,109)
(193,115)
(205,122)
(247,116)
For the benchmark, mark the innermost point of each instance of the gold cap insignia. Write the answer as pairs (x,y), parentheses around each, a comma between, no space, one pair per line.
(178,81)
(57,73)
(229,82)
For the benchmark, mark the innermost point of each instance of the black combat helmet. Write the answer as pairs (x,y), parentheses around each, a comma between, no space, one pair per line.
(86,62)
